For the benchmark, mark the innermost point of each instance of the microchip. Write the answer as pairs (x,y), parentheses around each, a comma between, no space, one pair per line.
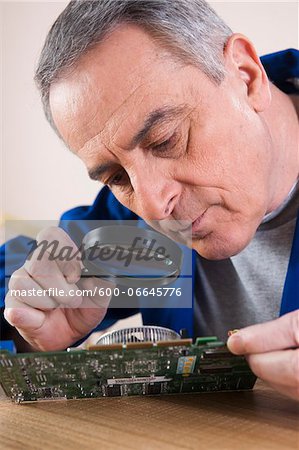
(186,364)
(153,389)
(215,369)
(46,392)
(216,353)
(113,391)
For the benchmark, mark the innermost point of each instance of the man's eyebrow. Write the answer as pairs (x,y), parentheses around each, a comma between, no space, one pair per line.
(166,113)
(96,172)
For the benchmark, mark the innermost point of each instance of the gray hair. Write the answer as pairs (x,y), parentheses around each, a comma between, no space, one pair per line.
(190,29)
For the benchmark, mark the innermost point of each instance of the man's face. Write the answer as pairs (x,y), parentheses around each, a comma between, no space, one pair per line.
(169,142)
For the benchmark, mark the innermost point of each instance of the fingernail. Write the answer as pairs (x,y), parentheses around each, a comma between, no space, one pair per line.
(72,277)
(235,344)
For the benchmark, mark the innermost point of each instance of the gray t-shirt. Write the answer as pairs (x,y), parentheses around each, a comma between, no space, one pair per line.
(247,288)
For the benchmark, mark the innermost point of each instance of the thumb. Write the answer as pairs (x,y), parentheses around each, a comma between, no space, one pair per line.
(278,334)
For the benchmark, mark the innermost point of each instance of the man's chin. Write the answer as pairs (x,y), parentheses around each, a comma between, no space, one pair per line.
(216,248)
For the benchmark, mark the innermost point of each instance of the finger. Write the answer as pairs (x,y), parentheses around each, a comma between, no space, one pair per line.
(49,276)
(286,390)
(22,316)
(277,334)
(19,282)
(63,249)
(280,367)
(94,285)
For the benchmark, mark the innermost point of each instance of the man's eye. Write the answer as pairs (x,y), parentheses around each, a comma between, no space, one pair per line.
(166,146)
(162,146)
(118,179)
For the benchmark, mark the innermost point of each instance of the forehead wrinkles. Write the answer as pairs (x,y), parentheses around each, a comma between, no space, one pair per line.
(105,135)
(146,80)
(128,107)
(107,115)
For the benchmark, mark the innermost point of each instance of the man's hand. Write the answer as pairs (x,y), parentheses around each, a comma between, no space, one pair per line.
(54,322)
(272,352)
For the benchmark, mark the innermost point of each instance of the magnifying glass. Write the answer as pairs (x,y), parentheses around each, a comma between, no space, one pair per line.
(131,256)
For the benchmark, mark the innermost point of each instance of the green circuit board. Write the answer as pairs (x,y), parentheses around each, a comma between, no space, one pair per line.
(164,367)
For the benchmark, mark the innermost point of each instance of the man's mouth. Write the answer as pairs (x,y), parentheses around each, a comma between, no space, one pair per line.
(180,225)
(198,223)
(175,228)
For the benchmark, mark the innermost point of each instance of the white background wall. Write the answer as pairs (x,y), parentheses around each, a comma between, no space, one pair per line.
(40,177)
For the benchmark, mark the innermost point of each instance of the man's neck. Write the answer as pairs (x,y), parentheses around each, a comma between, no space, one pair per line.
(282,120)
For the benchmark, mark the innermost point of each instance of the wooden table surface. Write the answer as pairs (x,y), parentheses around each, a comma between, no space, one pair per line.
(261,420)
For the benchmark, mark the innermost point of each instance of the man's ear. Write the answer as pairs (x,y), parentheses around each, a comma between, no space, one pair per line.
(242,61)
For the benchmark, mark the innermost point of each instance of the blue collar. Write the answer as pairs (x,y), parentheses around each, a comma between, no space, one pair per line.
(283,70)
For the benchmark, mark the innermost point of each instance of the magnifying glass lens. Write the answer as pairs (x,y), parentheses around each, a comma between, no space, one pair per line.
(131,256)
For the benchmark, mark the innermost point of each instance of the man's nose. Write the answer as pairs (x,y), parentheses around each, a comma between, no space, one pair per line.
(156,196)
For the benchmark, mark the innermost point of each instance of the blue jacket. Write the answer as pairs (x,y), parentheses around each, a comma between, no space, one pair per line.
(282,69)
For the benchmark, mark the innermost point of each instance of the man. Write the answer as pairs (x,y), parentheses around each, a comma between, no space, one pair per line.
(176,115)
